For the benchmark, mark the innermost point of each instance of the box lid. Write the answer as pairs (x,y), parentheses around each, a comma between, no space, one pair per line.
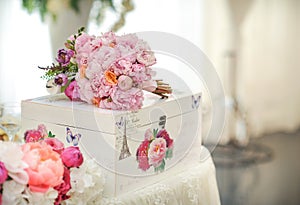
(58,109)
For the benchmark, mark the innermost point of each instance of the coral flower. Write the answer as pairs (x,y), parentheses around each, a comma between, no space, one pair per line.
(45,168)
(110,78)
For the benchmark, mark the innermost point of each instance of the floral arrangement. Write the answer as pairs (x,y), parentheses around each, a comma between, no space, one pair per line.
(43,171)
(156,147)
(109,71)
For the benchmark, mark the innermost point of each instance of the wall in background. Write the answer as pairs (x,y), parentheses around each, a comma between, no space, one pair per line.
(263,38)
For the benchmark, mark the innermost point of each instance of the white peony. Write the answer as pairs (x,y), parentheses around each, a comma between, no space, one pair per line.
(11,155)
(87,184)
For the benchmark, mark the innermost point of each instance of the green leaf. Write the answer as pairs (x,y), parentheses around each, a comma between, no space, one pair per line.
(169,154)
(50,134)
(155,131)
(161,167)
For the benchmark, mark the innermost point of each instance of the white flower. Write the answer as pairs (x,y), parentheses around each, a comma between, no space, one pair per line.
(11,155)
(12,193)
(87,184)
(37,198)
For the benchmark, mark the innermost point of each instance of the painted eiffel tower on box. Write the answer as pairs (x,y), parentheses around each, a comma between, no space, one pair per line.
(125,152)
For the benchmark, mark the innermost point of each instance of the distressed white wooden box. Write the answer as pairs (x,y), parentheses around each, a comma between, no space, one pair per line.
(103,133)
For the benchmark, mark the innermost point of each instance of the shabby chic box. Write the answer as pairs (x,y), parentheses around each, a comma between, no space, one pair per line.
(113,138)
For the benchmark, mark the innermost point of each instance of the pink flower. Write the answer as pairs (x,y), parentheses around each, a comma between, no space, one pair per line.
(85,90)
(43,130)
(3,173)
(125,82)
(72,91)
(56,144)
(61,79)
(45,168)
(82,40)
(165,135)
(36,135)
(147,58)
(109,39)
(131,99)
(142,155)
(139,73)
(122,66)
(64,56)
(157,151)
(72,157)
(33,136)
(63,188)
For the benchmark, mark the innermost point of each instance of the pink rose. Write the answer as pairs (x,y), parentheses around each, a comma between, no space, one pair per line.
(164,134)
(3,173)
(45,168)
(72,157)
(157,151)
(125,82)
(142,155)
(72,91)
(63,188)
(56,144)
(33,136)
(147,58)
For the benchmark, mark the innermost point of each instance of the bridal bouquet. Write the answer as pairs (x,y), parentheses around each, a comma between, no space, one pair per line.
(44,171)
(109,71)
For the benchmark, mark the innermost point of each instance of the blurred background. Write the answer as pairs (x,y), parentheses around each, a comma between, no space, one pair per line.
(253,45)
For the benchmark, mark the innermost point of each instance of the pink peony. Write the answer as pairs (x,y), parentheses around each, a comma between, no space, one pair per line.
(72,157)
(36,135)
(45,168)
(142,155)
(140,73)
(3,173)
(122,66)
(72,91)
(82,40)
(165,135)
(131,99)
(56,144)
(33,136)
(63,188)
(157,151)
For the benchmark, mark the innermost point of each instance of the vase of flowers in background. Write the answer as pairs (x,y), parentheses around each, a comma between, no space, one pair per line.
(66,16)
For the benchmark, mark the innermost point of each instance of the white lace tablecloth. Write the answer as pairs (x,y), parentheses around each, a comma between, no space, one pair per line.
(195,186)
